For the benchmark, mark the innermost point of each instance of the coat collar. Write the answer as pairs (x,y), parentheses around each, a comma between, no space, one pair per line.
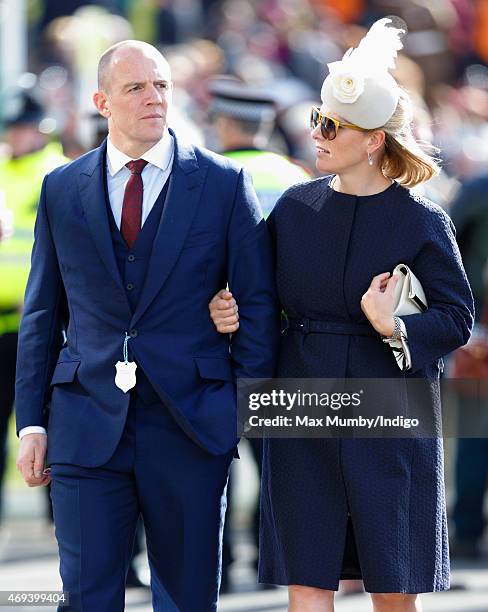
(91,187)
(159,155)
(184,191)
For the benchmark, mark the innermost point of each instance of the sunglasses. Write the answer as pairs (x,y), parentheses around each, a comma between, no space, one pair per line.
(329,126)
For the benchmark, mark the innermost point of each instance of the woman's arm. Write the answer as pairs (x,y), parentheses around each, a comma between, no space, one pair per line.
(448,322)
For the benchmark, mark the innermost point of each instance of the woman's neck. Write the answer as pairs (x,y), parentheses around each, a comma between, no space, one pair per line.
(360,183)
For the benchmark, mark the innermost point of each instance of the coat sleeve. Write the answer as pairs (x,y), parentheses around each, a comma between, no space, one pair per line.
(448,322)
(251,278)
(40,332)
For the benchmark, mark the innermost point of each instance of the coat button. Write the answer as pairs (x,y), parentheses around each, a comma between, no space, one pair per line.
(133,333)
(129,286)
(131,258)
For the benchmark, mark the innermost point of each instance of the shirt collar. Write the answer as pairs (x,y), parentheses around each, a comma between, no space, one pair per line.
(159,155)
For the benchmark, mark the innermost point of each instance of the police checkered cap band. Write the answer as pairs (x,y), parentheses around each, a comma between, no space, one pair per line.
(242,110)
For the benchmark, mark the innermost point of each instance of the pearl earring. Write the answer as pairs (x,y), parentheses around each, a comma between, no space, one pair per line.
(370,159)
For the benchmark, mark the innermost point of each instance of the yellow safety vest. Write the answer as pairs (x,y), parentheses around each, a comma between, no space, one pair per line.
(20,184)
(271,173)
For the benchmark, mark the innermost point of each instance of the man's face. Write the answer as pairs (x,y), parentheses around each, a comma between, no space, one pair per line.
(136,99)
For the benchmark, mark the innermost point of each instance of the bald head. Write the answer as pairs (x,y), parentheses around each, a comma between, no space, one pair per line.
(120,51)
(134,95)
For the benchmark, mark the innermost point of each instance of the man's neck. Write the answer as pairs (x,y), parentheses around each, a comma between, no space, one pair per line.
(135,150)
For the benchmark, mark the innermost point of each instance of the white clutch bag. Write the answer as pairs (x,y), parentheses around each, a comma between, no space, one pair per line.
(409,298)
(409,295)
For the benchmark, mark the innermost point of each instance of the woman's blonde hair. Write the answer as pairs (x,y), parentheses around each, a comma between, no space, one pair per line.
(405,159)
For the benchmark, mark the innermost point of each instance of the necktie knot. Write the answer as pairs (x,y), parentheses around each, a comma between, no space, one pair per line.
(136,166)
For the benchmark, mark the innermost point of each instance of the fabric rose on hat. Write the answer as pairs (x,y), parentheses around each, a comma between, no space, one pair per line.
(347,84)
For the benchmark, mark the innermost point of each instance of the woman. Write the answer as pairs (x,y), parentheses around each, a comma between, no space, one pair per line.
(336,509)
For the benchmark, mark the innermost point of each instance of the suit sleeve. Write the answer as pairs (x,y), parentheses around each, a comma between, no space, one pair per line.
(252,282)
(271,224)
(40,326)
(448,322)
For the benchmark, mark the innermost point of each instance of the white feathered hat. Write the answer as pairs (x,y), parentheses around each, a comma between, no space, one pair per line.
(359,88)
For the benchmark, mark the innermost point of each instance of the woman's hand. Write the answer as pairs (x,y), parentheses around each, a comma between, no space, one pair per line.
(377,303)
(224,312)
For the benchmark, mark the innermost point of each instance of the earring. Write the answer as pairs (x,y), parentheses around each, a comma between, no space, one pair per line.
(370,159)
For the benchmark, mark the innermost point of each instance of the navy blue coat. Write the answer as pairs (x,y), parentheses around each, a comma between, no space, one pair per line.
(388,495)
(211,231)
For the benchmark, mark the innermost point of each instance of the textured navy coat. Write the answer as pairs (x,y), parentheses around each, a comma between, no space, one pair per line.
(380,501)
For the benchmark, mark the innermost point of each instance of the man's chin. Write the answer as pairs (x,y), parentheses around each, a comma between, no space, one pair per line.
(155,134)
(149,139)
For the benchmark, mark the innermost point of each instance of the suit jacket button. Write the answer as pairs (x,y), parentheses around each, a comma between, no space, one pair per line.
(129,286)
(131,258)
(133,333)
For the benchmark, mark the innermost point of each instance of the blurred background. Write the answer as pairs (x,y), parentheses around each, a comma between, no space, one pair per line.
(274,55)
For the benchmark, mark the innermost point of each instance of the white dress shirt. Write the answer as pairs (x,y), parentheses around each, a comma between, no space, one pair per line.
(154,176)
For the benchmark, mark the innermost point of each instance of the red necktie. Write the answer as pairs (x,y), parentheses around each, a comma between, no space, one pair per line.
(130,224)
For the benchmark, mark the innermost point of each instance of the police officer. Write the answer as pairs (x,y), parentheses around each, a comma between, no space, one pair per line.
(30,155)
(243,119)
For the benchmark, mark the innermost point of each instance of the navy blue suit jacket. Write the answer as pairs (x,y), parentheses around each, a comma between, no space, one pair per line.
(211,232)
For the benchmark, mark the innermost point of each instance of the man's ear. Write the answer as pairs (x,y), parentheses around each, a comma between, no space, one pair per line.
(101,103)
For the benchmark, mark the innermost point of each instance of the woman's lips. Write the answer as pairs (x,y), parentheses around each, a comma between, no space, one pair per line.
(321,151)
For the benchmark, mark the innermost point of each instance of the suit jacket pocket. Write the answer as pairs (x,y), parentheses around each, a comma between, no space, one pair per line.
(215,368)
(64,372)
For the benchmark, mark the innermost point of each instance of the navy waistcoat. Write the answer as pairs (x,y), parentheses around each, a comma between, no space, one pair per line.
(133,264)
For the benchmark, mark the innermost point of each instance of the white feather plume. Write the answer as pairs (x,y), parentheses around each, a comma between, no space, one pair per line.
(377,51)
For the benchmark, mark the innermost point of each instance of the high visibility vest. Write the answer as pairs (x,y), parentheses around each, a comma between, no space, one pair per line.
(271,173)
(20,184)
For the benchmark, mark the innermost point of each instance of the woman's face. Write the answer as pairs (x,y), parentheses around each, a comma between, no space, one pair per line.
(349,148)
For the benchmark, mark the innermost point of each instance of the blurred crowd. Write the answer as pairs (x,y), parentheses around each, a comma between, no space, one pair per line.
(281,45)
(281,48)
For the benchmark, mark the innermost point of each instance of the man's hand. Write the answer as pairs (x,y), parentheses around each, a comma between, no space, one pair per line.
(224,312)
(31,459)
(377,303)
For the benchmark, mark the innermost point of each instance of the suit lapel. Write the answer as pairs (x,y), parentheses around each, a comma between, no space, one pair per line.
(92,193)
(184,190)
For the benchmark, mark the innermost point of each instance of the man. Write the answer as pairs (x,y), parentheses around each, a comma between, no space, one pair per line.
(132,240)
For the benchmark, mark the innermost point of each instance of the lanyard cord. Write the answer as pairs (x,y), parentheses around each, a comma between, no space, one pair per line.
(126,352)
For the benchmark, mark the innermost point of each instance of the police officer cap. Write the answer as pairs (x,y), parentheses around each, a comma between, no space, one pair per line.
(234,98)
(22,108)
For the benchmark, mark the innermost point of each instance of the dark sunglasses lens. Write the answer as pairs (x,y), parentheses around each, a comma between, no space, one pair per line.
(328,128)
